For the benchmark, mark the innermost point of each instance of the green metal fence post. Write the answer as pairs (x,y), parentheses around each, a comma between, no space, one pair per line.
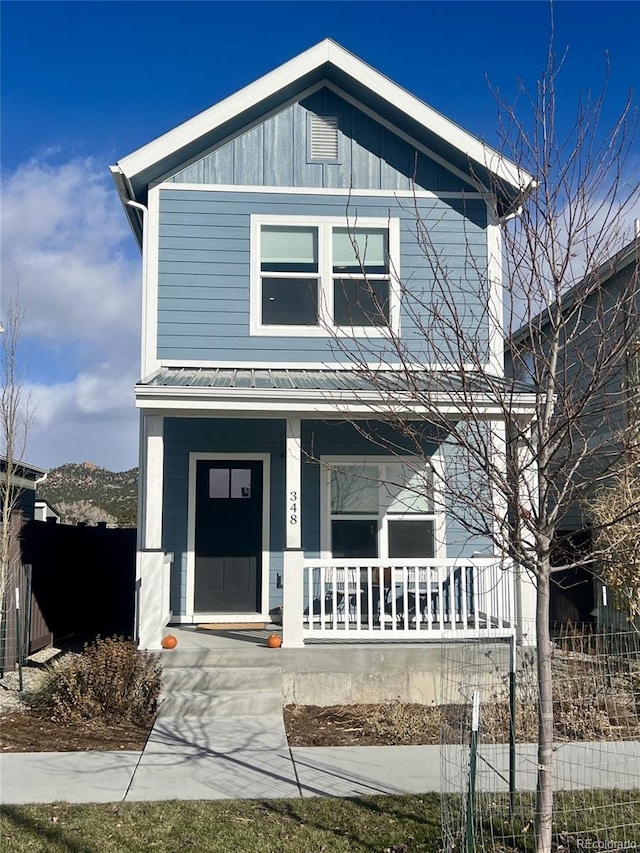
(512,726)
(473,757)
(19,643)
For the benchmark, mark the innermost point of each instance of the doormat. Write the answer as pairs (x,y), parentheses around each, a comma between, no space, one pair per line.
(233,626)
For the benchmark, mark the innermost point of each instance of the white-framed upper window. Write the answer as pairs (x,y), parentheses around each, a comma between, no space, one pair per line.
(327,276)
(381,508)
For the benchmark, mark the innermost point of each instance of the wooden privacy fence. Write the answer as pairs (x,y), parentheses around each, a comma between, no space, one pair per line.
(70,581)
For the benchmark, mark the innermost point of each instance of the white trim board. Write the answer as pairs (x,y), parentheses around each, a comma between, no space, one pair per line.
(340,191)
(150,285)
(194,458)
(244,364)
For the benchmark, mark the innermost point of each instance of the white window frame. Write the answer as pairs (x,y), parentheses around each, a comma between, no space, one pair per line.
(326,327)
(437,515)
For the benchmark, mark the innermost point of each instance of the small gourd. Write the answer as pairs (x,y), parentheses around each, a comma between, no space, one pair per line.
(274,641)
(169,642)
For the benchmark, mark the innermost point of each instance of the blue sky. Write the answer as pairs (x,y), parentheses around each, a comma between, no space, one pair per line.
(85,83)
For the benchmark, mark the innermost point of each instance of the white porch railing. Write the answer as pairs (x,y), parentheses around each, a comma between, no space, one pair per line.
(406,599)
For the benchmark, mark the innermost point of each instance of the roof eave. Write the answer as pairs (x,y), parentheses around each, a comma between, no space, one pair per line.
(514,181)
(126,194)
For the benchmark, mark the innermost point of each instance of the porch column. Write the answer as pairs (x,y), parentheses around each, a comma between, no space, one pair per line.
(526,584)
(152,587)
(293,593)
(293,463)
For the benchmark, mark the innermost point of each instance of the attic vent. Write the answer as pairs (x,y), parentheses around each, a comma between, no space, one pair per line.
(324,138)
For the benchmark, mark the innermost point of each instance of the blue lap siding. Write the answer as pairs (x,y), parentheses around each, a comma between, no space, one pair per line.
(204,272)
(183,436)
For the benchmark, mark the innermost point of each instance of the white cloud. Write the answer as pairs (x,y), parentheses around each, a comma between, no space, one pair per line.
(67,243)
(90,418)
(65,239)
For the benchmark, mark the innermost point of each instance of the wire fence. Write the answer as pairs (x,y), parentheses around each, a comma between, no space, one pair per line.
(489,752)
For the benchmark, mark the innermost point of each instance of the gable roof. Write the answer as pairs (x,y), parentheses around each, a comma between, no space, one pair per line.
(598,278)
(330,64)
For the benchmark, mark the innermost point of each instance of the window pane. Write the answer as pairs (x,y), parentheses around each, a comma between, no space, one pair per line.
(360,249)
(411,539)
(360,303)
(241,483)
(354,490)
(408,490)
(218,482)
(354,538)
(290,301)
(288,249)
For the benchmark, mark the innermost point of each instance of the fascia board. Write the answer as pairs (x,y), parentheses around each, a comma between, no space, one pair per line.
(308,62)
(365,402)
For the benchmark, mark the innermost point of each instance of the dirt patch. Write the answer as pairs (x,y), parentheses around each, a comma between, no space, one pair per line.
(399,724)
(29,731)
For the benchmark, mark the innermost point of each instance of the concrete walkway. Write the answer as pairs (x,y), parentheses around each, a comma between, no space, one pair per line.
(243,759)
(218,762)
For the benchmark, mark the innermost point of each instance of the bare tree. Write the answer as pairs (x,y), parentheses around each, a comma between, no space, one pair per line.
(529,445)
(15,422)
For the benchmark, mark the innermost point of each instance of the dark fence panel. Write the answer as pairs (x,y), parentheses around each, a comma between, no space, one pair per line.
(15,628)
(83,577)
(71,580)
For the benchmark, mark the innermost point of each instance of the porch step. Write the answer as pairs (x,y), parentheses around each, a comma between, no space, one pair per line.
(252,656)
(221,679)
(205,692)
(192,704)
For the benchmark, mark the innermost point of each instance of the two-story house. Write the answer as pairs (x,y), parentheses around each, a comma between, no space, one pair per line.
(278,232)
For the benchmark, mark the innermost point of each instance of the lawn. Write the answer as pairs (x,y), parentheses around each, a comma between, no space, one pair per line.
(374,825)
(407,824)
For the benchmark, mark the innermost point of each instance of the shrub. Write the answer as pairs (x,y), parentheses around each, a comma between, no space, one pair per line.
(111,680)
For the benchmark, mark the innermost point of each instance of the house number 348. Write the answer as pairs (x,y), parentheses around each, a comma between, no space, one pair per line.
(293,507)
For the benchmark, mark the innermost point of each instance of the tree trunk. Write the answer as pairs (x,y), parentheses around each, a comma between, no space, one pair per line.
(544,789)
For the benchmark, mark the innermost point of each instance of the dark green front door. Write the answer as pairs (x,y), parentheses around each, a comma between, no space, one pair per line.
(228,538)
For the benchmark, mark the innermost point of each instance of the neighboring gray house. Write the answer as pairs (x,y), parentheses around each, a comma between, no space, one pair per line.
(259,220)
(601,310)
(24,480)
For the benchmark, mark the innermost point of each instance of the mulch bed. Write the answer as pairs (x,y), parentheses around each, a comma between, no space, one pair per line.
(29,731)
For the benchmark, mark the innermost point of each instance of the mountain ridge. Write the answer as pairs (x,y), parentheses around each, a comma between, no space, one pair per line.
(86,492)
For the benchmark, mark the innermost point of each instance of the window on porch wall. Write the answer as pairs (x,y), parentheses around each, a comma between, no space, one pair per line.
(380,510)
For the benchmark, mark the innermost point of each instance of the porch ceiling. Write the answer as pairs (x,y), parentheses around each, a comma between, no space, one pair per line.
(314,389)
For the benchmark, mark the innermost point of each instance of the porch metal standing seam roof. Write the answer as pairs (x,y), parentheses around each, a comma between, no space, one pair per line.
(329,380)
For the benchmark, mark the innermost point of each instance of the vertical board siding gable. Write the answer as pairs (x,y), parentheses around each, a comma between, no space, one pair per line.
(276,153)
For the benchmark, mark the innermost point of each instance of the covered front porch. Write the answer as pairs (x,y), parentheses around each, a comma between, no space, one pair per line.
(349,530)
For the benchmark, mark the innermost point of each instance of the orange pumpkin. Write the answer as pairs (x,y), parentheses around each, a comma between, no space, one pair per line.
(169,642)
(274,641)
